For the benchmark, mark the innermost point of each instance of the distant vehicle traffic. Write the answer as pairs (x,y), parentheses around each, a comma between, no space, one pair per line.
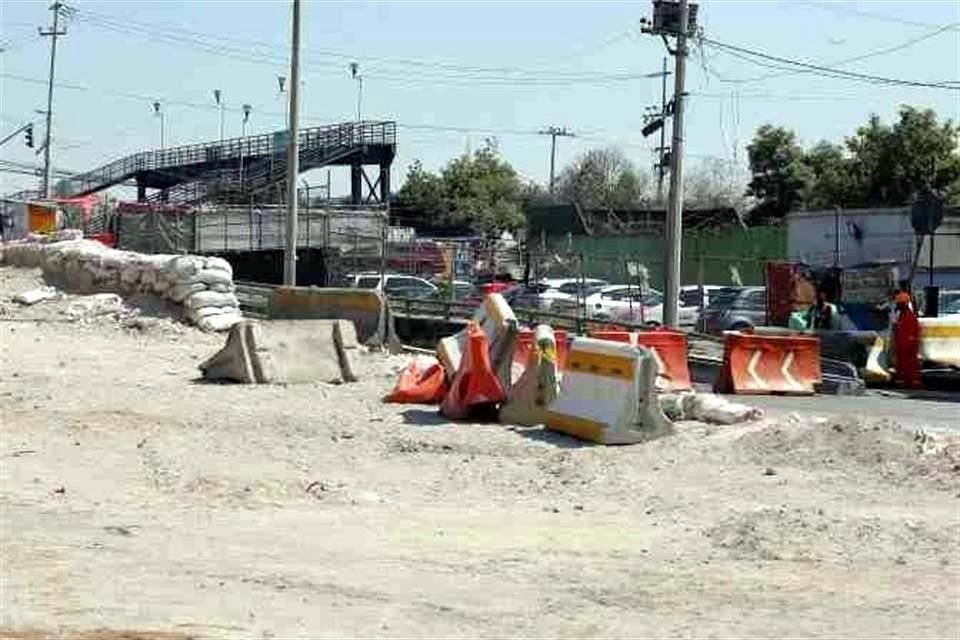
(394,285)
(734,308)
(567,289)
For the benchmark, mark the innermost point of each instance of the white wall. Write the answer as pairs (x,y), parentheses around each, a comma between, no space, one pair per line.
(885,234)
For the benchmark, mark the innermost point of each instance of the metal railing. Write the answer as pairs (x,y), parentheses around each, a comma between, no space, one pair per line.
(250,147)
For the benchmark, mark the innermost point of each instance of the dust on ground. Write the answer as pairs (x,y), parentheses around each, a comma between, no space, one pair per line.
(133,497)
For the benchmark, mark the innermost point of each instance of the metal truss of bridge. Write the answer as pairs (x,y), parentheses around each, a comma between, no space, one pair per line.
(253,168)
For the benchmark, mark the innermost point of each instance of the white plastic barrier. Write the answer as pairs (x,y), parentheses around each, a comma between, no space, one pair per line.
(537,388)
(940,341)
(202,286)
(608,394)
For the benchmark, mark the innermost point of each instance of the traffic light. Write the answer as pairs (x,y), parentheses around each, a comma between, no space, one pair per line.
(652,126)
(28,136)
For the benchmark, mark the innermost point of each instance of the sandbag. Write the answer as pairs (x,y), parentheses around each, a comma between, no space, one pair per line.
(211,299)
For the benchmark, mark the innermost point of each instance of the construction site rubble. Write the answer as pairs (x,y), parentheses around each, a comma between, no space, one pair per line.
(706,407)
(200,288)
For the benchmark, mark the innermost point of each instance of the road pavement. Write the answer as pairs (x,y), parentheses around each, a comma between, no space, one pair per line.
(931,411)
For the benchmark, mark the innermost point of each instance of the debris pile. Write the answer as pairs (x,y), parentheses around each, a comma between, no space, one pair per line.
(200,287)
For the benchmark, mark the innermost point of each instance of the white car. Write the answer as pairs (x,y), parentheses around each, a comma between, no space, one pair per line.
(396,285)
(567,289)
(625,303)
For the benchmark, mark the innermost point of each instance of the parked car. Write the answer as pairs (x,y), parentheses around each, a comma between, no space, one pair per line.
(624,303)
(394,285)
(690,294)
(525,296)
(734,308)
(567,289)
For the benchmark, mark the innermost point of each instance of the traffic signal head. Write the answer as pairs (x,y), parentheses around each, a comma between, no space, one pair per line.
(28,135)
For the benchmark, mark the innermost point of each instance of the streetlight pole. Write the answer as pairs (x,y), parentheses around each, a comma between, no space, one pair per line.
(158,112)
(355,74)
(243,142)
(217,94)
(53,33)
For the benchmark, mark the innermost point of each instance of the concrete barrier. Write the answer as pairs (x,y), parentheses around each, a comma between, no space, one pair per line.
(367,310)
(940,341)
(285,351)
(608,394)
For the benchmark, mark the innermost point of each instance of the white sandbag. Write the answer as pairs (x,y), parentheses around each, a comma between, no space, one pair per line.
(214,263)
(180,292)
(183,268)
(211,299)
(223,288)
(195,315)
(220,322)
(210,277)
(33,296)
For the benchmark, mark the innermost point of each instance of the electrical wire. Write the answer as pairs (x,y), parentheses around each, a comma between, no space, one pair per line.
(838,7)
(756,57)
(858,58)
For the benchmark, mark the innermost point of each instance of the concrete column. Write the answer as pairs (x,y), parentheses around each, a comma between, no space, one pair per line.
(356,183)
(141,192)
(384,183)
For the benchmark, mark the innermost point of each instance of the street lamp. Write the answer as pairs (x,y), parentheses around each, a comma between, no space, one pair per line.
(243,142)
(159,113)
(216,96)
(355,74)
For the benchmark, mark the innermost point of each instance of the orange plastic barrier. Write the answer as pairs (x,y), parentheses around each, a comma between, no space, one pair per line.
(475,386)
(670,351)
(420,386)
(524,344)
(614,335)
(760,364)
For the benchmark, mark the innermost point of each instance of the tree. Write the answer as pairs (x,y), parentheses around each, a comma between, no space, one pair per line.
(780,176)
(484,191)
(481,191)
(832,182)
(603,179)
(891,164)
(714,183)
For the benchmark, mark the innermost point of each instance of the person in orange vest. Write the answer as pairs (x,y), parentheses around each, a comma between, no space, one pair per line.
(906,341)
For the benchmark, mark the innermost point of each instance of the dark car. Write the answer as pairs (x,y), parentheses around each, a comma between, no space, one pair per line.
(734,308)
(525,296)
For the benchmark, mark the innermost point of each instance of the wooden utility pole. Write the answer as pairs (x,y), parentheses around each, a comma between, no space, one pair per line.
(293,155)
(553,132)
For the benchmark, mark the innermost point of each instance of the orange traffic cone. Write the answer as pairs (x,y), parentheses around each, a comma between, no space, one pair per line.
(475,387)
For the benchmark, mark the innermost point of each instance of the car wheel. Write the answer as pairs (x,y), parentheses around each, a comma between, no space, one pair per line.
(652,324)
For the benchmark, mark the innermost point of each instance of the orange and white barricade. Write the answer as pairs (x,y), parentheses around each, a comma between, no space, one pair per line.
(608,394)
(528,399)
(766,364)
(498,322)
(475,386)
(670,350)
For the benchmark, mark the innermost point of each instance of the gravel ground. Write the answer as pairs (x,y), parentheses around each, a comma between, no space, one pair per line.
(133,497)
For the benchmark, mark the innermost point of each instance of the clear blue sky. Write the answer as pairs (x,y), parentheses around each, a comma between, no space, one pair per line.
(428,64)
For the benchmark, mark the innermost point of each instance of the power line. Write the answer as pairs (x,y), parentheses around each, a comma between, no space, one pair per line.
(858,58)
(749,55)
(837,7)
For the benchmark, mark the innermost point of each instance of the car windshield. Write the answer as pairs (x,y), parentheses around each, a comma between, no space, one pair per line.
(952,307)
(368,282)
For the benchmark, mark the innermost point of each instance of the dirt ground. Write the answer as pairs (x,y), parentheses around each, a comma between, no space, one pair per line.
(135,499)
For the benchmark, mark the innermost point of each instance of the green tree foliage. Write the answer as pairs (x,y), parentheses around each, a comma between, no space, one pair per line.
(780,176)
(603,179)
(480,190)
(878,166)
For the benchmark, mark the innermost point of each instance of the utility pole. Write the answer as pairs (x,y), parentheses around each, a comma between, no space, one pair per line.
(554,132)
(293,155)
(53,33)
(674,19)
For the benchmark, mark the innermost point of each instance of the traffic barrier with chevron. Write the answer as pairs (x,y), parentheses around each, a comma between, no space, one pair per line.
(475,387)
(765,364)
(608,394)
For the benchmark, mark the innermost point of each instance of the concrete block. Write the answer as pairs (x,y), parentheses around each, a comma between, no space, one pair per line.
(285,351)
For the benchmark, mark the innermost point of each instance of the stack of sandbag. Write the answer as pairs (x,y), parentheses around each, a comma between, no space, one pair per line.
(202,286)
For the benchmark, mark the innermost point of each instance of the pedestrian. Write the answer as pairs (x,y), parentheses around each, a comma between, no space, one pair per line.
(822,316)
(906,341)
